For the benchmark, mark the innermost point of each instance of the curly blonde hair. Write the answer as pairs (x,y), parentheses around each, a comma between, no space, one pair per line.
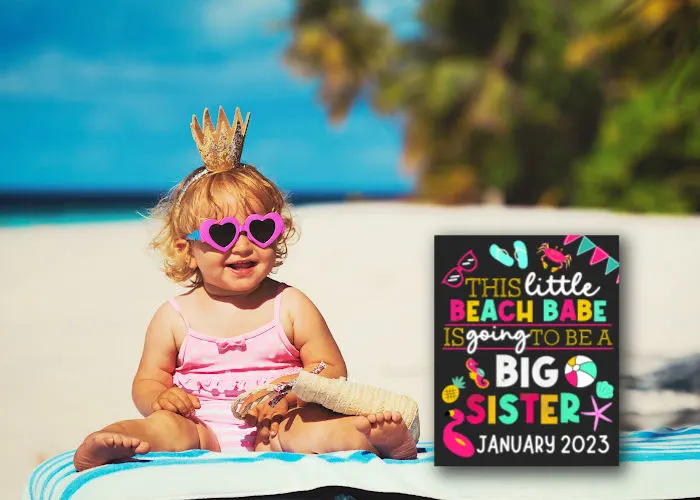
(213,196)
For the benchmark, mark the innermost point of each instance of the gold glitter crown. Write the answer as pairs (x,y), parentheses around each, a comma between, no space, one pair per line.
(220,148)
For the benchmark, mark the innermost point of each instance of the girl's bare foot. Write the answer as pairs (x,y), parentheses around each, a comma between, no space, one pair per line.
(388,433)
(106,447)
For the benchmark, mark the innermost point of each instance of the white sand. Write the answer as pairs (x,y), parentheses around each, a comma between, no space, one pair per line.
(79,298)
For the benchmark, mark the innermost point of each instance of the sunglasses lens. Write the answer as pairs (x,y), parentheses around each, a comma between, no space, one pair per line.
(453,278)
(262,230)
(468,262)
(222,234)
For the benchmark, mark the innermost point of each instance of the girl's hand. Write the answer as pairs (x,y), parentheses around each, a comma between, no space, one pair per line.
(257,395)
(267,419)
(177,401)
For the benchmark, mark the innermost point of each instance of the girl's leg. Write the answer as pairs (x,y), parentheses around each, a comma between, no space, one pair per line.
(160,431)
(314,429)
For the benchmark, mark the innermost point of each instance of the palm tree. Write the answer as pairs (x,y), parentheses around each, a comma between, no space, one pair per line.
(647,152)
(335,41)
(520,96)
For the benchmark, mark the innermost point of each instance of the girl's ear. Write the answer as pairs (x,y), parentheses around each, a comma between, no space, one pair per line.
(183,248)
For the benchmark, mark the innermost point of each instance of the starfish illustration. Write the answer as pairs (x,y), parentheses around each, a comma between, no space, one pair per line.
(598,413)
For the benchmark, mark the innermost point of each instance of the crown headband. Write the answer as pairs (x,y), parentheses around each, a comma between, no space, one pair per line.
(221,147)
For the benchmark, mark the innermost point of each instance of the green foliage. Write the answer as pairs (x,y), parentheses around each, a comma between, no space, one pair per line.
(593,103)
(638,130)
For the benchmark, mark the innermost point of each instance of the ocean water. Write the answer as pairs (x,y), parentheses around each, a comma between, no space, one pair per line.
(75,208)
(29,218)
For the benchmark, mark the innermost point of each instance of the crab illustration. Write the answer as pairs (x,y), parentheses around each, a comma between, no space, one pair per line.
(553,257)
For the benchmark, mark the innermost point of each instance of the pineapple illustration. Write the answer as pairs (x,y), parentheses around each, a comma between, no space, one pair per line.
(451,392)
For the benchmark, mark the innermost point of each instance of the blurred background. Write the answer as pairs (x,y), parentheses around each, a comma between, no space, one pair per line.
(520,102)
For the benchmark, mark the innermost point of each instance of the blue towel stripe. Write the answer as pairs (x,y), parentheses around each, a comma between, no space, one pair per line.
(658,457)
(50,477)
(663,431)
(43,467)
(660,449)
(666,440)
(684,449)
(166,454)
(46,470)
(661,439)
(60,477)
(64,470)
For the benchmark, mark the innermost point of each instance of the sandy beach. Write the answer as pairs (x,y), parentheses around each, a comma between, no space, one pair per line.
(79,297)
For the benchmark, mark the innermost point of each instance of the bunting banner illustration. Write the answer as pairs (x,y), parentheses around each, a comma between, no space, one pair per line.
(598,255)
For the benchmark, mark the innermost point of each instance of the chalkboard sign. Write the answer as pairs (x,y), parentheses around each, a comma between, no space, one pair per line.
(526,350)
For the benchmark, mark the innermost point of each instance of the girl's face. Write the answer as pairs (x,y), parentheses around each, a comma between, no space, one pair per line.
(238,271)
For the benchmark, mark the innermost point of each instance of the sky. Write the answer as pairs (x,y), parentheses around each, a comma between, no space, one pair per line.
(98,96)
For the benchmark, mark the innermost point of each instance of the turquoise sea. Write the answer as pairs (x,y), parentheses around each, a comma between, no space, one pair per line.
(22,209)
(10,218)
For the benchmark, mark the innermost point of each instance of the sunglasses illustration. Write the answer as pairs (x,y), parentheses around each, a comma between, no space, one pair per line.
(466,264)
(222,235)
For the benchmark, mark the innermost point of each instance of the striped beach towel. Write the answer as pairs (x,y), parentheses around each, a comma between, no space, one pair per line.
(661,463)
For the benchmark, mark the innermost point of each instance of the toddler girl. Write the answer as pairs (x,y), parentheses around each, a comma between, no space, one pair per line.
(225,228)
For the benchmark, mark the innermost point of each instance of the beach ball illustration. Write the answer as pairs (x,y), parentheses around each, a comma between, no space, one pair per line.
(580,371)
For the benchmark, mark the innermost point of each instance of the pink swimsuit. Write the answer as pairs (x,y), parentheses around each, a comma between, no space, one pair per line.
(216,370)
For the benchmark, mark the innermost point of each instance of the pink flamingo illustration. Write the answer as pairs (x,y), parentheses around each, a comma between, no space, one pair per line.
(457,443)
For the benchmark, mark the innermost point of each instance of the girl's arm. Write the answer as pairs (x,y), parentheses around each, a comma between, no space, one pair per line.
(314,341)
(155,372)
(312,338)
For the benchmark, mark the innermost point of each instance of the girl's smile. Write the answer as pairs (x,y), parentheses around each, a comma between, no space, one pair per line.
(242,267)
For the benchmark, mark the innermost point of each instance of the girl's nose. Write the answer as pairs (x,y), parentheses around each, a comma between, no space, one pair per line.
(243,244)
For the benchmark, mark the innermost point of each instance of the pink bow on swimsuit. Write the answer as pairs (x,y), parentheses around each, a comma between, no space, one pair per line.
(231,344)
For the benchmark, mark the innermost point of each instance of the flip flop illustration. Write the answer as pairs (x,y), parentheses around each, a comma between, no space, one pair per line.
(501,255)
(520,253)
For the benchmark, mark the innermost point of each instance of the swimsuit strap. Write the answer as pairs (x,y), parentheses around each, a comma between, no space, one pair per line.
(278,301)
(176,306)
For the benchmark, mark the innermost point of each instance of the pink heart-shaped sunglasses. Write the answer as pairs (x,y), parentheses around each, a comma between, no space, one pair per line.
(262,230)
